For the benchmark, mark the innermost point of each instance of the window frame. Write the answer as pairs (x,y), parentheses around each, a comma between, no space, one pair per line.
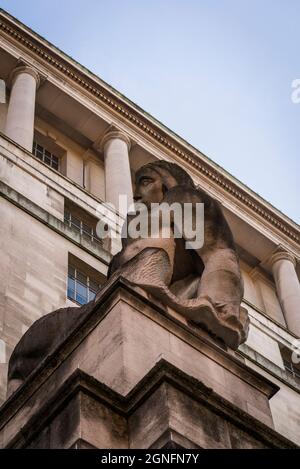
(88,285)
(289,366)
(45,154)
(81,226)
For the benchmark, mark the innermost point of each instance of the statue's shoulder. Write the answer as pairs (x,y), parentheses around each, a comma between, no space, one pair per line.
(42,338)
(185,193)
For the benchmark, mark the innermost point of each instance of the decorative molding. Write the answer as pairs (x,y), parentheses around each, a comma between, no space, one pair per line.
(268,330)
(58,226)
(283,255)
(278,254)
(114,134)
(135,117)
(268,366)
(24,69)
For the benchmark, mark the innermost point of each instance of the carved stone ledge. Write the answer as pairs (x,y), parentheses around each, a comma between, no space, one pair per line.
(180,411)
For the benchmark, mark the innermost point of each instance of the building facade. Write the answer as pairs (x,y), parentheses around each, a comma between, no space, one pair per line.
(69,145)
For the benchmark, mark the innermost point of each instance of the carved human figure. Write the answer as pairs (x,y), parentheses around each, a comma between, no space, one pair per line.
(203,284)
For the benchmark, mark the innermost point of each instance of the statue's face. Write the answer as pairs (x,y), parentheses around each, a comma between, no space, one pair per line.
(148,187)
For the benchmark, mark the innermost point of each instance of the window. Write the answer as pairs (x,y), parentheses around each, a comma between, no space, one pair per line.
(81,221)
(46,156)
(290,365)
(81,288)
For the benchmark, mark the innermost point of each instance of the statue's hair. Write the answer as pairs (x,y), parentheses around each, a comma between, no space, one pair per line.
(179,174)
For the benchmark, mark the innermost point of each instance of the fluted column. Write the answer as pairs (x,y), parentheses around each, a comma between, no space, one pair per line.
(20,114)
(288,288)
(116,146)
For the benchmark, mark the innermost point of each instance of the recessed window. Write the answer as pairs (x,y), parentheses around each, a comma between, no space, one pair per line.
(46,156)
(83,228)
(81,221)
(291,362)
(81,287)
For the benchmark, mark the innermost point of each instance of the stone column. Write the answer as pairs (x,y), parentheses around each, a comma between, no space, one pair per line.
(116,146)
(20,115)
(288,288)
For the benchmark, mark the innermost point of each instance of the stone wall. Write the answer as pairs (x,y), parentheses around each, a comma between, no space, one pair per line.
(33,276)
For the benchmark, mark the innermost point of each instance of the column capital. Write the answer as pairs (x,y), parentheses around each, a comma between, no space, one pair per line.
(112,134)
(21,68)
(282,255)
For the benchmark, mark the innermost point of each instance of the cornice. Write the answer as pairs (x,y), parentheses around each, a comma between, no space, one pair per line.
(135,117)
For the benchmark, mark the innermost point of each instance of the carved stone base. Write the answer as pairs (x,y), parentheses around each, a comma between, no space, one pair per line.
(135,375)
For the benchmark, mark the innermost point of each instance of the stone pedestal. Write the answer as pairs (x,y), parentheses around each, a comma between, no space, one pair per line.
(135,375)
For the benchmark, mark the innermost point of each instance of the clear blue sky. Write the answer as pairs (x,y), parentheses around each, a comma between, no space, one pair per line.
(217,72)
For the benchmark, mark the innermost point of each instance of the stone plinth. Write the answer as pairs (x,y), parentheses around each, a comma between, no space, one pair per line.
(135,375)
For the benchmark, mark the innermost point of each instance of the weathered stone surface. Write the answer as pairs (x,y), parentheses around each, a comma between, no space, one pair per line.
(204,283)
(34,270)
(166,408)
(157,384)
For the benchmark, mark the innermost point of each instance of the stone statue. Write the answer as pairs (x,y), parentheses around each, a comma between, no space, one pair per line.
(203,284)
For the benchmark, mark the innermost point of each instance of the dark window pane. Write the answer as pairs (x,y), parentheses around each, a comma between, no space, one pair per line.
(47,160)
(45,155)
(76,222)
(71,282)
(71,271)
(82,278)
(93,286)
(71,294)
(86,229)
(55,164)
(81,289)
(71,288)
